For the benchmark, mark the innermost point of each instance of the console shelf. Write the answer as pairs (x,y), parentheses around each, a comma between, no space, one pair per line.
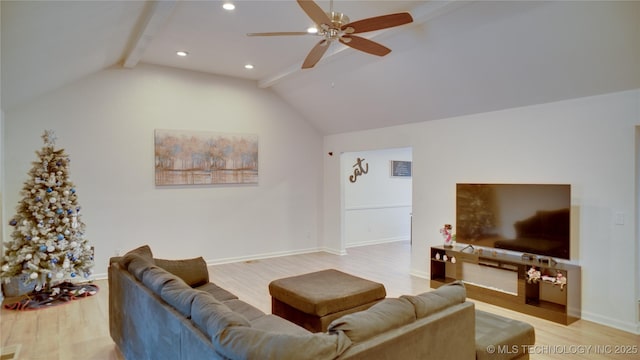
(502,280)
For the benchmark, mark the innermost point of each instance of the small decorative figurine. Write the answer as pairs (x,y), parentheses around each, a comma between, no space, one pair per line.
(453,259)
(437,256)
(560,280)
(533,275)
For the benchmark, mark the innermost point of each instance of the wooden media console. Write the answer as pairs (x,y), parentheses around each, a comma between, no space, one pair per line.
(504,280)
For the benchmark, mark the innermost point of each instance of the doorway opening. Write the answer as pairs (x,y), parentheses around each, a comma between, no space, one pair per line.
(376,196)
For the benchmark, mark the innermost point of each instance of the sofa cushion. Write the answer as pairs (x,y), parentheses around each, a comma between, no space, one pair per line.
(144,251)
(193,271)
(277,324)
(179,295)
(217,292)
(155,278)
(386,315)
(212,316)
(250,312)
(433,301)
(138,265)
(240,343)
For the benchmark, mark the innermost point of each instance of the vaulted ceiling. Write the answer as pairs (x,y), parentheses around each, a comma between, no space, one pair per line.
(456,58)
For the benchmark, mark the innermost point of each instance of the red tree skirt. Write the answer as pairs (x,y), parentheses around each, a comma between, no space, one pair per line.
(56,295)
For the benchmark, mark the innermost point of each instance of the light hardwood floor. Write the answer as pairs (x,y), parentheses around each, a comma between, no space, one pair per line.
(80,330)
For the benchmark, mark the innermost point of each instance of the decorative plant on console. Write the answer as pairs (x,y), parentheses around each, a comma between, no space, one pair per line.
(448,236)
(48,244)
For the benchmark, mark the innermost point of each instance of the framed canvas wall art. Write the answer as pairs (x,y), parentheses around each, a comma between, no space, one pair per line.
(184,157)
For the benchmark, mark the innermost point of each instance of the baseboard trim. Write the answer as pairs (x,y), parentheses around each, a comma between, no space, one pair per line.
(261,256)
(334,251)
(630,327)
(10,352)
(378,241)
(101,276)
(420,274)
(210,262)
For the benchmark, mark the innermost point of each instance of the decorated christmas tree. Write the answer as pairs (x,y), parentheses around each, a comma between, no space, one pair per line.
(47,243)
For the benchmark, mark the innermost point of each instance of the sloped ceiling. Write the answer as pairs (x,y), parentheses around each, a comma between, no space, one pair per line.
(456,58)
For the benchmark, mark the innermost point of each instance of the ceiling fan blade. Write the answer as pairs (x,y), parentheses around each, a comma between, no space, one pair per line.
(315,54)
(378,23)
(315,12)
(279,33)
(366,45)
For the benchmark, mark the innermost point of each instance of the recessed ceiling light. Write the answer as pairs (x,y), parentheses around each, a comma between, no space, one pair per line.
(228,6)
(312,30)
(248,66)
(182,53)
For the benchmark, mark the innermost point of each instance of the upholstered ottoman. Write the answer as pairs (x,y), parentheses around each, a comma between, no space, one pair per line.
(314,300)
(498,337)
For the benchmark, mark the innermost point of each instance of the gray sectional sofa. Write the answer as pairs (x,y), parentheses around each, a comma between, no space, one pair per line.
(168,309)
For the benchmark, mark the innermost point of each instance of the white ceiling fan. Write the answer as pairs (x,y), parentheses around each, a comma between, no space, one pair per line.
(334,26)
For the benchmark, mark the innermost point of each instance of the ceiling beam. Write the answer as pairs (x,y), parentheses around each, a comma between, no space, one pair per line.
(155,18)
(420,14)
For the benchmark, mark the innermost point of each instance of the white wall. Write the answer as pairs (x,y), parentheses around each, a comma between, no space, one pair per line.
(377,207)
(106,123)
(587,142)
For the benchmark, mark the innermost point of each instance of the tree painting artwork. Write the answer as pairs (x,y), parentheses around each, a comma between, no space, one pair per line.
(204,158)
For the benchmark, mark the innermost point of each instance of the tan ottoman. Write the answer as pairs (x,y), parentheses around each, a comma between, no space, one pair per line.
(314,300)
(498,337)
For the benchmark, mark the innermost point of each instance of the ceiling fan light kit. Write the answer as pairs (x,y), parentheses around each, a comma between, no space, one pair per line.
(333,25)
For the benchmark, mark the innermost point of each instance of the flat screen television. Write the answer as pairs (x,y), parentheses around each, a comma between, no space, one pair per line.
(527,218)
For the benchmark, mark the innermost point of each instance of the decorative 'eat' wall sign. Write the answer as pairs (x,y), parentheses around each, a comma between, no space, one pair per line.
(359,170)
